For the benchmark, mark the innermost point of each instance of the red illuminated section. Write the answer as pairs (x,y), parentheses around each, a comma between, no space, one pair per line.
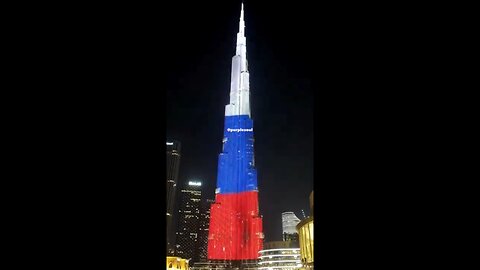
(235,227)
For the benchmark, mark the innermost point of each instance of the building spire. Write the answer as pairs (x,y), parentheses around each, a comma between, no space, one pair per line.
(242,22)
(241,40)
(239,85)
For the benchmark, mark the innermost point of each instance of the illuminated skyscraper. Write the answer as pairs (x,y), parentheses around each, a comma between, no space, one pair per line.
(235,224)
(203,228)
(173,163)
(188,220)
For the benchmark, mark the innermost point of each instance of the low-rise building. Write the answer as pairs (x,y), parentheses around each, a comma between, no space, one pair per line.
(177,263)
(305,235)
(280,255)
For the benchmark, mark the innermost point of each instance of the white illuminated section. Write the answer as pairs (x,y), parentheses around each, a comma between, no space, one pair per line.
(279,261)
(169,143)
(281,255)
(240,82)
(276,267)
(273,249)
(193,183)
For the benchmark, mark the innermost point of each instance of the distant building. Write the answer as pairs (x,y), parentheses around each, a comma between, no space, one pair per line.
(188,220)
(289,223)
(173,164)
(280,255)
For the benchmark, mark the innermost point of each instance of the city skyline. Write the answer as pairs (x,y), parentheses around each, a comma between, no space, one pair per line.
(282,107)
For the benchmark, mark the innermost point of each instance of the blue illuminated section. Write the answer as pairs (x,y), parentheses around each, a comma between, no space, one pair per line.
(236,168)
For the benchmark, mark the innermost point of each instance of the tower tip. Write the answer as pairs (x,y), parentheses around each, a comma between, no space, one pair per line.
(242,21)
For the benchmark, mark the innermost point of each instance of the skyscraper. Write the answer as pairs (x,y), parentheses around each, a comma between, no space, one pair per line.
(235,233)
(203,228)
(173,163)
(289,223)
(188,220)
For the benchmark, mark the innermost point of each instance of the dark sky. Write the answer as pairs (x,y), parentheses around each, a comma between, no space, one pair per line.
(198,63)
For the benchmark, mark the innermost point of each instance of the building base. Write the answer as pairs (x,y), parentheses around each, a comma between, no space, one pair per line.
(226,265)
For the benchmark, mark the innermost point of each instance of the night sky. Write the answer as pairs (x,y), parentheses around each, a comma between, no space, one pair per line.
(198,85)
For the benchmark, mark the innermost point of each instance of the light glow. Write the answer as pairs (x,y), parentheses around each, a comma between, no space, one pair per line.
(279,261)
(278,266)
(192,183)
(278,249)
(281,255)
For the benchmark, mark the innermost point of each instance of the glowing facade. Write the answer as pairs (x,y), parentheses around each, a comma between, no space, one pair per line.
(235,232)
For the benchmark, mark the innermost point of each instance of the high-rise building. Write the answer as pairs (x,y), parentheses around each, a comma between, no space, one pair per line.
(289,223)
(235,224)
(173,163)
(188,220)
(202,242)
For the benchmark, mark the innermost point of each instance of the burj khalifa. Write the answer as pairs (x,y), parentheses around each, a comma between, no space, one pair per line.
(235,232)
